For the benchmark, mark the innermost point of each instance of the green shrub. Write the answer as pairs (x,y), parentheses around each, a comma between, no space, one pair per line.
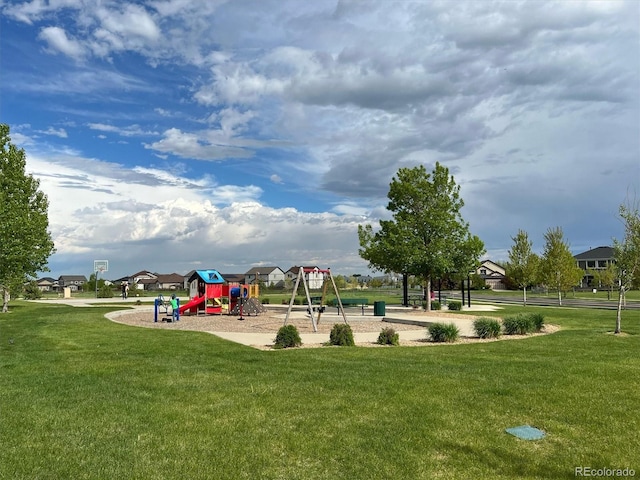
(341,335)
(443,332)
(538,321)
(435,305)
(32,291)
(105,292)
(287,337)
(388,336)
(455,305)
(487,327)
(265,301)
(520,324)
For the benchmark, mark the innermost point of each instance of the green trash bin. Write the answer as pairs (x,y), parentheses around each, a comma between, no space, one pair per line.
(379,309)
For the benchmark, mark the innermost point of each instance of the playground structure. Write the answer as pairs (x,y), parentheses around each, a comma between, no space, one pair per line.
(210,294)
(170,309)
(311,308)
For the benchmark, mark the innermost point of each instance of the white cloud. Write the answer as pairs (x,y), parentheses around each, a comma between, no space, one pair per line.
(59,42)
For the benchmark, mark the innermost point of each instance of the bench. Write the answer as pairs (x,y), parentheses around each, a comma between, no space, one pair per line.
(352,302)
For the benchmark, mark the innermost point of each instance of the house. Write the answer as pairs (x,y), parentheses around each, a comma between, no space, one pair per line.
(314,277)
(269,276)
(47,284)
(493,274)
(170,281)
(598,258)
(141,280)
(233,277)
(74,282)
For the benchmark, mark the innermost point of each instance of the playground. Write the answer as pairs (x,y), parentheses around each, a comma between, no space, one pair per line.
(259,331)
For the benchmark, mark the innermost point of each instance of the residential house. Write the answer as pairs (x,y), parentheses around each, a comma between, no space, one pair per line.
(598,258)
(47,284)
(141,280)
(493,274)
(73,282)
(313,276)
(234,277)
(269,276)
(170,281)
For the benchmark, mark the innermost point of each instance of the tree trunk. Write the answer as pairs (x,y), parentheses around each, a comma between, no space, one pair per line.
(5,299)
(427,293)
(559,297)
(619,315)
(524,296)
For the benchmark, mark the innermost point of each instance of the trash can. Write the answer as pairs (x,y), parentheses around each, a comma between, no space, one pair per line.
(379,309)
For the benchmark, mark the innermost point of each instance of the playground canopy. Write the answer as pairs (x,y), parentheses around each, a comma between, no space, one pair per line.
(207,276)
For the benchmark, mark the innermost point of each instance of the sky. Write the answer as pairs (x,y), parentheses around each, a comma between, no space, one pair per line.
(172,135)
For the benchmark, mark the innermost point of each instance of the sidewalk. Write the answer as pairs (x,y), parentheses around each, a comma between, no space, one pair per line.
(393,314)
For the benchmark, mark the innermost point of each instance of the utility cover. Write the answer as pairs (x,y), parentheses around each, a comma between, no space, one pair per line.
(526,432)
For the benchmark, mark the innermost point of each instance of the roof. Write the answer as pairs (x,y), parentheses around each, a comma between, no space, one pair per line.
(233,277)
(296,268)
(170,278)
(208,276)
(598,253)
(262,270)
(72,278)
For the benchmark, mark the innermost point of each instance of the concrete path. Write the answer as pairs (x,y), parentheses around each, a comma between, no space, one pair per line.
(392,314)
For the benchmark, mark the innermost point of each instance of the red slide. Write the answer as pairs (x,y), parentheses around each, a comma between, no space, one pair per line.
(194,302)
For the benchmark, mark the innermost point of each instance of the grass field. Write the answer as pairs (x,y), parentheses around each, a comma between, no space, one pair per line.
(85,398)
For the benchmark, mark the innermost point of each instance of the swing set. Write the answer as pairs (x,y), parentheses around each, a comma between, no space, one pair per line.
(327,278)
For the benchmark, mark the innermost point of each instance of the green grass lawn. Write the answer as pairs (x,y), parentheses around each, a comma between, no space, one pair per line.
(82,397)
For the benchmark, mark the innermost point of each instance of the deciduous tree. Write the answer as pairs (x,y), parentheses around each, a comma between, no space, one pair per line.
(427,236)
(25,241)
(558,268)
(522,268)
(626,253)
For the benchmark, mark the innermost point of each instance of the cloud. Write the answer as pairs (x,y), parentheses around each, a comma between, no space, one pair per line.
(59,42)
(198,146)
(60,132)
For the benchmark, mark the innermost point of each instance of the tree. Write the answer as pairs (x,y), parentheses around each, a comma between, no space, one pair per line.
(522,268)
(25,242)
(427,236)
(627,256)
(604,278)
(558,268)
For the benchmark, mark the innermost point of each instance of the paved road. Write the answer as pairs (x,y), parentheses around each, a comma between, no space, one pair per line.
(550,301)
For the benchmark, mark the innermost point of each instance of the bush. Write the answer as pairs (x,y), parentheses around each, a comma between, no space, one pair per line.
(388,336)
(487,327)
(538,321)
(454,305)
(287,337)
(441,332)
(341,335)
(435,305)
(32,291)
(518,324)
(265,301)
(105,292)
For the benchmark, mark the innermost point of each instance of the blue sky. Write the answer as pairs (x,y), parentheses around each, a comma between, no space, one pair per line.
(172,135)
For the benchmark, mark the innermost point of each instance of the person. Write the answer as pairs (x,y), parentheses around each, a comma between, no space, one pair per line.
(123,290)
(126,290)
(174,306)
